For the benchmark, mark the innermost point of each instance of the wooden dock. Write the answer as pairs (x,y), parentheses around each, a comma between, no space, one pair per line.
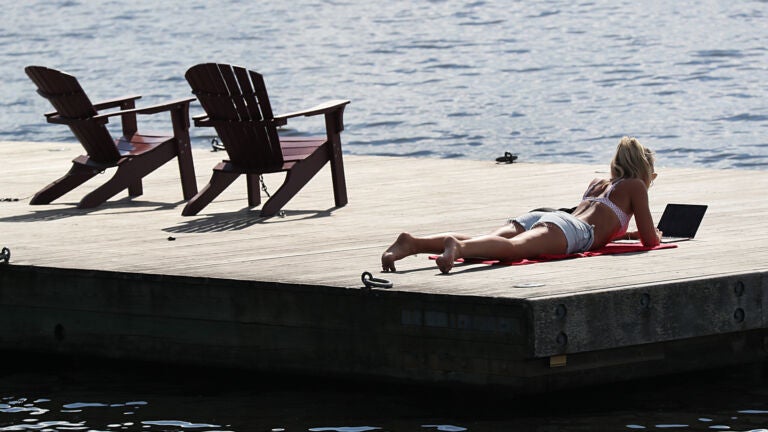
(133,279)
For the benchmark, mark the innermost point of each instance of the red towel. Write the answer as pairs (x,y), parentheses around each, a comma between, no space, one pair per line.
(609,249)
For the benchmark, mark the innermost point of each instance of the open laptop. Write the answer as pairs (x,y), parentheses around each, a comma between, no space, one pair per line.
(680,222)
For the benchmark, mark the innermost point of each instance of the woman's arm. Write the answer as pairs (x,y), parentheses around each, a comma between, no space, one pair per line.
(629,235)
(634,235)
(646,230)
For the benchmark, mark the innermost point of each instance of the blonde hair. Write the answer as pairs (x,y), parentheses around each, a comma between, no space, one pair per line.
(632,160)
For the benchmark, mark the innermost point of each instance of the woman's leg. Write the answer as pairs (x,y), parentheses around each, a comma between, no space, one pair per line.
(539,240)
(407,244)
(509,230)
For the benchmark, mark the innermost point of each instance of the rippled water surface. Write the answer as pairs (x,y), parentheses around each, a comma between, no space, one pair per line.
(548,80)
(50,396)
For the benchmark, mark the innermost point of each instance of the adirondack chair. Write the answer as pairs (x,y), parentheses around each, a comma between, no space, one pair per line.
(134,154)
(237,106)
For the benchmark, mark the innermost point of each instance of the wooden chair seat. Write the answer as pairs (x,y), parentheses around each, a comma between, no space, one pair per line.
(139,144)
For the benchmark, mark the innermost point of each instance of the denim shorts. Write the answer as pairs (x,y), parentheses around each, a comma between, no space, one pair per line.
(579,235)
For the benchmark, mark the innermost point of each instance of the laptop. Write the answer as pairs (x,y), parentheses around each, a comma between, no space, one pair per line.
(680,222)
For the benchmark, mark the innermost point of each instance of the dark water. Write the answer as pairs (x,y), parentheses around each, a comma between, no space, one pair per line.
(60,395)
(555,80)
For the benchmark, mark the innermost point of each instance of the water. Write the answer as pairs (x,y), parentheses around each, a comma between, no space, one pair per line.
(551,80)
(60,395)
(554,81)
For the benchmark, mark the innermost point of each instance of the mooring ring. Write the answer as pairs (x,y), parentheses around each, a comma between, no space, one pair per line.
(371,282)
(5,255)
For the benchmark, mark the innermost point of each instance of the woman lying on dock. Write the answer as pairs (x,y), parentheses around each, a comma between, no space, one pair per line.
(603,215)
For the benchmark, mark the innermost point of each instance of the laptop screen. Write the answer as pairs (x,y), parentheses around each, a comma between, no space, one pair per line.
(681,220)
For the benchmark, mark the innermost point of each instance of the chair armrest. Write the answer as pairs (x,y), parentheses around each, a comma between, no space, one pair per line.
(319,109)
(112,103)
(203,120)
(54,117)
(152,109)
(200,119)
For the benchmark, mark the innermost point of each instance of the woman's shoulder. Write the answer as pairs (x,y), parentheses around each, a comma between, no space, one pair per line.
(593,186)
(632,182)
(631,185)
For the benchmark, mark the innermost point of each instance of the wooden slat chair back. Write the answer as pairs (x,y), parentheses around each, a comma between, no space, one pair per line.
(237,106)
(70,101)
(134,154)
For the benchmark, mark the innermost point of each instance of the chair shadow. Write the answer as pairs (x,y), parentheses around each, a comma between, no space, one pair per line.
(243,219)
(62,213)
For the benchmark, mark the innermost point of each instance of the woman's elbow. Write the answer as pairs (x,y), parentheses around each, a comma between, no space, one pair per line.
(651,240)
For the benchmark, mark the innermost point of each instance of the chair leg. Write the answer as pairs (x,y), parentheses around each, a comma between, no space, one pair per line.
(219,181)
(295,179)
(254,193)
(180,120)
(136,189)
(187,173)
(334,124)
(337,172)
(77,175)
(130,171)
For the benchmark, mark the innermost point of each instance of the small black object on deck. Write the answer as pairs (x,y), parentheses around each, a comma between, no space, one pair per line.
(507,158)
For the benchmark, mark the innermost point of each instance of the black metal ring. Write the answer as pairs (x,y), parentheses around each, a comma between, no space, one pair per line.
(507,158)
(5,255)
(371,282)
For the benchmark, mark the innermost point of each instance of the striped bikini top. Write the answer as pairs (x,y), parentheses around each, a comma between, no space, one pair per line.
(605,199)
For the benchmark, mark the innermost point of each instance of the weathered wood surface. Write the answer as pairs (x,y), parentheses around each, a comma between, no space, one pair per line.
(234,289)
(318,245)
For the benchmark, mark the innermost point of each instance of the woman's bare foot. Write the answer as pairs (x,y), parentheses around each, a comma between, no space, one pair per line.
(401,248)
(449,255)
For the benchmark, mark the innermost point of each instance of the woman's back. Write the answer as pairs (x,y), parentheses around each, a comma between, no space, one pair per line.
(608,207)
